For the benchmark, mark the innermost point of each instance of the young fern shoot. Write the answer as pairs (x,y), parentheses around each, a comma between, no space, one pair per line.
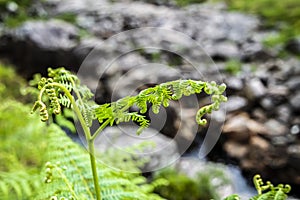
(56,91)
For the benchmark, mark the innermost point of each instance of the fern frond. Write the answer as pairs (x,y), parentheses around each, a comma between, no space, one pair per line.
(18,185)
(160,95)
(67,174)
(65,101)
(268,191)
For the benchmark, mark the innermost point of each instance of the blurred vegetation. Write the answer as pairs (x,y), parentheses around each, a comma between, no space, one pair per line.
(233,67)
(281,15)
(15,12)
(182,187)
(187,2)
(22,147)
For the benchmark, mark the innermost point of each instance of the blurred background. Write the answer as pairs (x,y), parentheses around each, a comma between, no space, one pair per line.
(254,44)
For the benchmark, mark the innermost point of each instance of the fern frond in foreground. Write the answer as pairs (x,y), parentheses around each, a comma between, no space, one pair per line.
(56,91)
(67,175)
(266,191)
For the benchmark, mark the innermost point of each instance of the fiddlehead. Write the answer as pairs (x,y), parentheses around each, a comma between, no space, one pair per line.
(268,191)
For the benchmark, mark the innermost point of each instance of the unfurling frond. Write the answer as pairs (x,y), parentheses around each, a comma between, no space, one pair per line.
(266,191)
(160,95)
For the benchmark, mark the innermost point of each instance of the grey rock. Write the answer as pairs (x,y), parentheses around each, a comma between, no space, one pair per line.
(295,129)
(284,113)
(255,52)
(278,91)
(267,103)
(275,128)
(294,46)
(161,153)
(255,88)
(36,45)
(234,83)
(48,35)
(235,103)
(295,101)
(294,155)
(223,50)
(294,83)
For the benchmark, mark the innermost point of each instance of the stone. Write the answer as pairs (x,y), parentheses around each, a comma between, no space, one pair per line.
(278,90)
(275,128)
(240,127)
(235,150)
(236,128)
(223,51)
(284,113)
(36,45)
(267,103)
(260,142)
(161,152)
(255,88)
(254,51)
(293,83)
(49,35)
(295,102)
(293,46)
(235,103)
(259,114)
(234,83)
(295,129)
(294,155)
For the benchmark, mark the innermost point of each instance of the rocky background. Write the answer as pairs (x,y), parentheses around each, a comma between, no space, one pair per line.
(261,133)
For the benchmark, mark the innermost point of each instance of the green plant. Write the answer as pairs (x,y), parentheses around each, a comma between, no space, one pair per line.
(26,145)
(67,175)
(233,67)
(182,187)
(284,16)
(60,83)
(187,2)
(266,191)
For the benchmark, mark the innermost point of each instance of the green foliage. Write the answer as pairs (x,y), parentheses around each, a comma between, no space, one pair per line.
(187,2)
(182,187)
(67,174)
(10,83)
(266,191)
(22,150)
(284,15)
(18,185)
(61,82)
(56,89)
(233,67)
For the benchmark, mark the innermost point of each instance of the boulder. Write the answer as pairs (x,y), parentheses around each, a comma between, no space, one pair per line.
(37,45)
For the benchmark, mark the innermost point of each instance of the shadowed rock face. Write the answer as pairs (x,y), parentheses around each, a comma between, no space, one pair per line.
(37,45)
(262,127)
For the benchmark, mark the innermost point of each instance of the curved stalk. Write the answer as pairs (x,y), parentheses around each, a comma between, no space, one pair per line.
(87,133)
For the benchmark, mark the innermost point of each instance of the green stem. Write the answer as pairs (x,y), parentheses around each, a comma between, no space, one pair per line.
(94,168)
(87,134)
(100,128)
